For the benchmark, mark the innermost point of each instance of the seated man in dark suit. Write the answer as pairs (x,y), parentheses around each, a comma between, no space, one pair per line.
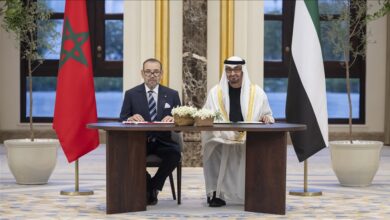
(153,102)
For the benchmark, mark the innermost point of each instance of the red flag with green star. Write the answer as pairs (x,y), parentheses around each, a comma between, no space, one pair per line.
(75,105)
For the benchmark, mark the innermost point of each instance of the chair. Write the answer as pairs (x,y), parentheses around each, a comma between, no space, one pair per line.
(153,160)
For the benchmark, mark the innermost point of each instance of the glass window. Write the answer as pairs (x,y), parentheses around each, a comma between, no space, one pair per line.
(108,96)
(336,93)
(276,90)
(44,94)
(114,6)
(331,6)
(54,53)
(114,40)
(337,100)
(57,6)
(273,40)
(329,54)
(273,6)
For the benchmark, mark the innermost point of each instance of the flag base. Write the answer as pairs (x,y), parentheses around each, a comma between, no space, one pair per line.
(80,192)
(77,191)
(309,192)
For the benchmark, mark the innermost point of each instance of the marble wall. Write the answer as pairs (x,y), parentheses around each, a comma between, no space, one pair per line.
(194,70)
(194,52)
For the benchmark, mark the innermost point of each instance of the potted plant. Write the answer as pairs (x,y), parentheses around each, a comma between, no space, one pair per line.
(205,117)
(31,160)
(354,162)
(183,115)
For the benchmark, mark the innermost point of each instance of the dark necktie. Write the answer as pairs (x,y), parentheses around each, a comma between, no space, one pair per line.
(152,106)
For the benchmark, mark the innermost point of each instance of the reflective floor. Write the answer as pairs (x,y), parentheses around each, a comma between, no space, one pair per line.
(45,201)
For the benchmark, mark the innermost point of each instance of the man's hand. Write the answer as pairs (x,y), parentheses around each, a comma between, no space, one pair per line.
(267,120)
(167,119)
(136,117)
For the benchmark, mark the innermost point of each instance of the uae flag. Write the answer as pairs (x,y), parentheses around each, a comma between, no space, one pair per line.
(75,105)
(306,93)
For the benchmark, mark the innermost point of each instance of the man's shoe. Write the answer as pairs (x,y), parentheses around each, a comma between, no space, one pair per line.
(210,198)
(217,202)
(153,197)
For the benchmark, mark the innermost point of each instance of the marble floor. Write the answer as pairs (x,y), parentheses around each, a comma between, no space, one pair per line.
(45,202)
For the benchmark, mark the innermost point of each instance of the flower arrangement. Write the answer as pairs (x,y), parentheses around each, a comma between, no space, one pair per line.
(205,113)
(183,115)
(205,117)
(184,111)
(187,115)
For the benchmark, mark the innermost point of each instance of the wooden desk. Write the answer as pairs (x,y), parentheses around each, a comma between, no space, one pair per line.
(265,177)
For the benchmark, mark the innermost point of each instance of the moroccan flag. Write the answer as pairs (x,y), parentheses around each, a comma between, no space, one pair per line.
(306,93)
(75,98)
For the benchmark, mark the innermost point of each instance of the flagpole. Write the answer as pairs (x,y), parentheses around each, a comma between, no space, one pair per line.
(305,191)
(76,191)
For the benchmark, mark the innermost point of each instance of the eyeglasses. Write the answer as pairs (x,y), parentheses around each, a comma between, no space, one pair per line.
(237,69)
(150,73)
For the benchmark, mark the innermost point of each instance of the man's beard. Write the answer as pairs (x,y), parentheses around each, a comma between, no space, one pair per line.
(234,79)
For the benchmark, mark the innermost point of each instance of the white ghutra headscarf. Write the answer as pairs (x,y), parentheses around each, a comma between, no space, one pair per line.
(245,87)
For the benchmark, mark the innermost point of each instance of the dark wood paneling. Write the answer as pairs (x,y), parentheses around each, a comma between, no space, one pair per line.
(126,162)
(265,177)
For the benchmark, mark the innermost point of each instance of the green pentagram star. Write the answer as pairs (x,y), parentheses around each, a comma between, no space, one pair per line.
(78,39)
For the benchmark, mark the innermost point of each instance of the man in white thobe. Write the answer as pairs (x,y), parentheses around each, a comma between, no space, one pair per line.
(237,99)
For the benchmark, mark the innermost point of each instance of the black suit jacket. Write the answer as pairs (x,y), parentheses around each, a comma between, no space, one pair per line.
(135,102)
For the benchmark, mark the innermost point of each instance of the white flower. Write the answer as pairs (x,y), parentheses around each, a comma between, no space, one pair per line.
(205,113)
(183,111)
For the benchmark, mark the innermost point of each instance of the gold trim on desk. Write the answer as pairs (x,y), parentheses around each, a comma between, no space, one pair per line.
(162,37)
(227,31)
